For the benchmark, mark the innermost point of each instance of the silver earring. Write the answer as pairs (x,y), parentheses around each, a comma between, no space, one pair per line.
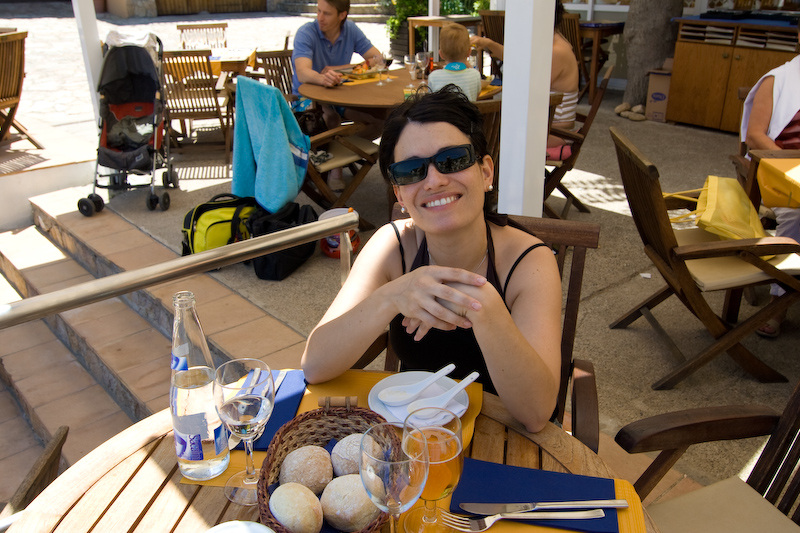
(491,187)
(402,209)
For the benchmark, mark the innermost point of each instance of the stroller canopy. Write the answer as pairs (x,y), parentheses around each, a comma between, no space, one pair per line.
(129,74)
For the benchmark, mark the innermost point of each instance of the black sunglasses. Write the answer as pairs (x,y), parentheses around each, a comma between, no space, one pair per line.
(447,161)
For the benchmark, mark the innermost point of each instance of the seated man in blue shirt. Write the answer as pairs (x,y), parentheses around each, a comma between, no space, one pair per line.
(327,44)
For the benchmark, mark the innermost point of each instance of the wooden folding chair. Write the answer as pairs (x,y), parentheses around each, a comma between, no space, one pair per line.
(41,474)
(563,236)
(494,23)
(192,93)
(275,68)
(12,73)
(571,30)
(768,501)
(553,178)
(345,148)
(491,111)
(693,261)
(205,35)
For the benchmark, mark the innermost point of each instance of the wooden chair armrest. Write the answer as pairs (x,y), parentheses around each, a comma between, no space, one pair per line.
(673,433)
(585,411)
(757,247)
(329,135)
(691,426)
(567,135)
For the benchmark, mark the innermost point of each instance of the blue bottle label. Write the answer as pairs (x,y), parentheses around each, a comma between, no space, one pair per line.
(189,447)
(178,363)
(220,438)
(179,360)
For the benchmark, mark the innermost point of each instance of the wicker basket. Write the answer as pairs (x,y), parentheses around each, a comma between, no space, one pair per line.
(313,428)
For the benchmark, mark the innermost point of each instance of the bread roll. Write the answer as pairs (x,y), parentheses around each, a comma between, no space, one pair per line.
(346,455)
(309,466)
(346,505)
(297,508)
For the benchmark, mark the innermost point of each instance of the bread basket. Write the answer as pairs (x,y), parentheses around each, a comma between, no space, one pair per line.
(312,428)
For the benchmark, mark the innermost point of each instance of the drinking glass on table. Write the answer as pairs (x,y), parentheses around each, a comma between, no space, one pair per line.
(441,430)
(422,59)
(378,63)
(244,395)
(411,66)
(393,470)
(388,59)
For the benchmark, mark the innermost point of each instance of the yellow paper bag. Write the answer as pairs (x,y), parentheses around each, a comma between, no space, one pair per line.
(725,210)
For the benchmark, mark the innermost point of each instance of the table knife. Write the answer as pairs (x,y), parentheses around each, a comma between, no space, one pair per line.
(495,508)
(233,440)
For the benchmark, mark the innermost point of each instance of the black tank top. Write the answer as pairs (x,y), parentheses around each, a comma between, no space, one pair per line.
(459,346)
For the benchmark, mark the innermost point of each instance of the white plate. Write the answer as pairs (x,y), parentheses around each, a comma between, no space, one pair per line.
(407,378)
(238,526)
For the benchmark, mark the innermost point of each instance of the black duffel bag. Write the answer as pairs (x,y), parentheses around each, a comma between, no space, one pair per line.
(278,265)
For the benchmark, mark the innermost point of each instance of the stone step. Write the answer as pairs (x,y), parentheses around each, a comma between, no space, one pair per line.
(106,244)
(48,382)
(110,359)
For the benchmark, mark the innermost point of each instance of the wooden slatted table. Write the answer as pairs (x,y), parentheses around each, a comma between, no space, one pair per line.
(132,483)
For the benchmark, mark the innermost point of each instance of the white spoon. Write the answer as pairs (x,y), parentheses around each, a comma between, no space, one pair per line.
(442,399)
(402,394)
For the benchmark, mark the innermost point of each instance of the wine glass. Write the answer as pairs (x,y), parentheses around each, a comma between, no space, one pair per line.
(380,65)
(442,431)
(388,59)
(244,395)
(411,67)
(392,470)
(422,63)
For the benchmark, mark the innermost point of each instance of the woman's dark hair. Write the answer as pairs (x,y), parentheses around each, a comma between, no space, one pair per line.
(448,104)
(559,18)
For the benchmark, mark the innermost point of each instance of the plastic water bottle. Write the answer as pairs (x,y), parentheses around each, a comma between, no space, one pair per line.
(201,440)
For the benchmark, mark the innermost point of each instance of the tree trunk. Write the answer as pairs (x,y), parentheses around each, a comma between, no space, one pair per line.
(649,39)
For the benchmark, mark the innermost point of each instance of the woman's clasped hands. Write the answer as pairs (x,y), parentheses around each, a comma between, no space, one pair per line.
(438,297)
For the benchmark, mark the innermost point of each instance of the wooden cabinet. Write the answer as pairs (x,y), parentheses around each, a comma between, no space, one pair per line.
(713,59)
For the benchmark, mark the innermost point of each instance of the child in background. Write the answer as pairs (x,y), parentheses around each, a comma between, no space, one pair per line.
(454,47)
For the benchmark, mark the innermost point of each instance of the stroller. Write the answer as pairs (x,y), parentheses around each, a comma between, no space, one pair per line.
(134,139)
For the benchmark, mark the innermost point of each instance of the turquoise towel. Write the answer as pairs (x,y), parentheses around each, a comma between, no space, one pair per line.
(270,153)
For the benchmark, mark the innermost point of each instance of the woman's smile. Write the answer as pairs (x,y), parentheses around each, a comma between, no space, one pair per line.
(441,201)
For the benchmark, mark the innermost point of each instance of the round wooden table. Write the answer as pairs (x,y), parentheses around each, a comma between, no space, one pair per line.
(132,483)
(361,93)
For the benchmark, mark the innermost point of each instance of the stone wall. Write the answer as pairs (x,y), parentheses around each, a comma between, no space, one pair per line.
(132,8)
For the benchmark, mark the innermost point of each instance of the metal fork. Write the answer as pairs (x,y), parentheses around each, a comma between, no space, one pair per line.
(477,525)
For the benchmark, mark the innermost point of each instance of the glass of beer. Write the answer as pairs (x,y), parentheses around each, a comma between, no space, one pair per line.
(441,430)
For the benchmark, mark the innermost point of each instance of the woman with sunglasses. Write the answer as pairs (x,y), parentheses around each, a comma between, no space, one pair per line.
(455,284)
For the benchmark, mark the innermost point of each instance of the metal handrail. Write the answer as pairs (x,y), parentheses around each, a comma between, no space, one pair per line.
(125,282)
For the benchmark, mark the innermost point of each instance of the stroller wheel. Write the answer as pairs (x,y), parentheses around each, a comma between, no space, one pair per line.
(152,201)
(98,202)
(170,178)
(86,207)
(165,201)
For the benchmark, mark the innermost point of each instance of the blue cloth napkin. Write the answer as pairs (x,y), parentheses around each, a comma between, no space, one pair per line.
(287,401)
(483,482)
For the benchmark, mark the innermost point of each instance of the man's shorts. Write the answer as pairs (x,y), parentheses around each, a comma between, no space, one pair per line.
(303,103)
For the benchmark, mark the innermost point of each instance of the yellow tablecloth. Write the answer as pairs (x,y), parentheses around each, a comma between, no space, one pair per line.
(359,383)
(232,57)
(351,383)
(779,181)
